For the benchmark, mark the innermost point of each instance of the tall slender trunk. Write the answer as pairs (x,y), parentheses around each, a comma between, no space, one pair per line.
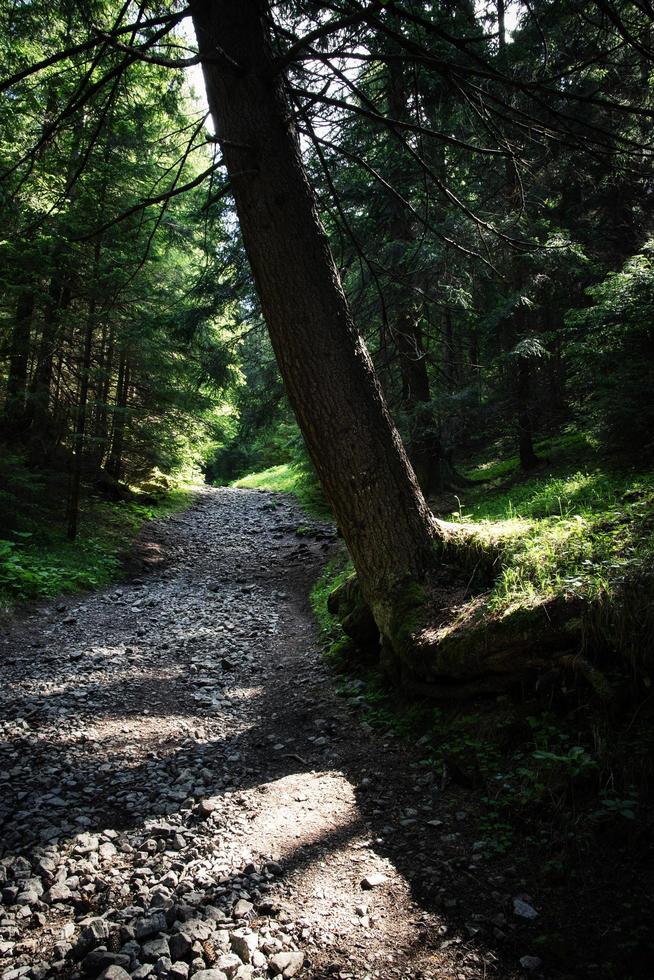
(423,444)
(80,426)
(520,379)
(326,368)
(19,351)
(59,297)
(115,461)
(100,422)
(80,423)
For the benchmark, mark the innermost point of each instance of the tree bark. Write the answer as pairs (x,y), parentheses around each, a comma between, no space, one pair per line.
(100,423)
(115,461)
(40,392)
(80,427)
(519,380)
(82,404)
(329,377)
(19,351)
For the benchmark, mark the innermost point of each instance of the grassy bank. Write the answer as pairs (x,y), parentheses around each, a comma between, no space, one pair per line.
(38,562)
(293,479)
(578,527)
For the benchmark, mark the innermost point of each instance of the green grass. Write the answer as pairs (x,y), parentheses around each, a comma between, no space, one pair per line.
(577,527)
(42,564)
(289,478)
(281,479)
(562,451)
(566,531)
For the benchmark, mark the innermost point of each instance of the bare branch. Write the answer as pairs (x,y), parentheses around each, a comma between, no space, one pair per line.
(147,202)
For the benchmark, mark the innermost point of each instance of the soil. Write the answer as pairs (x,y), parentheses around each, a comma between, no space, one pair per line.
(176,745)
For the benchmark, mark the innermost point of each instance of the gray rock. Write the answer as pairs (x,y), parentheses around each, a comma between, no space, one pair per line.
(27,898)
(243,943)
(179,971)
(206,808)
(180,946)
(86,844)
(61,949)
(210,975)
(93,933)
(523,909)
(229,964)
(197,929)
(58,893)
(114,973)
(530,962)
(288,964)
(131,949)
(20,868)
(150,926)
(373,880)
(99,959)
(154,949)
(243,909)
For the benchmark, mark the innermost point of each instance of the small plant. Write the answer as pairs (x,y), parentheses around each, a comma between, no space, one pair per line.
(497,832)
(574,762)
(612,806)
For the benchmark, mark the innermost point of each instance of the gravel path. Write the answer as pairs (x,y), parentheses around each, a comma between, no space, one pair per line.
(182,792)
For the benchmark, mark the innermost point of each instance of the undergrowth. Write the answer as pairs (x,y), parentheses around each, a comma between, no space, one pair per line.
(546,775)
(38,562)
(552,764)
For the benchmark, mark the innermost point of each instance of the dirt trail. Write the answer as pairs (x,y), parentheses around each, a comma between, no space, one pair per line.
(182,789)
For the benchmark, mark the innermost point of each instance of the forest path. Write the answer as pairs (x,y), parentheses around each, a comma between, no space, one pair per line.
(180,782)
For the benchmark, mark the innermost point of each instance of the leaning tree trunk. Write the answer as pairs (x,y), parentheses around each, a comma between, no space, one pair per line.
(389,531)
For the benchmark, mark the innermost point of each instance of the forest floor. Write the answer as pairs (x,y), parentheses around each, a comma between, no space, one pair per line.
(182,789)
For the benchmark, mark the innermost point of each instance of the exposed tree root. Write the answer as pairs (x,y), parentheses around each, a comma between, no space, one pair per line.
(440,642)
